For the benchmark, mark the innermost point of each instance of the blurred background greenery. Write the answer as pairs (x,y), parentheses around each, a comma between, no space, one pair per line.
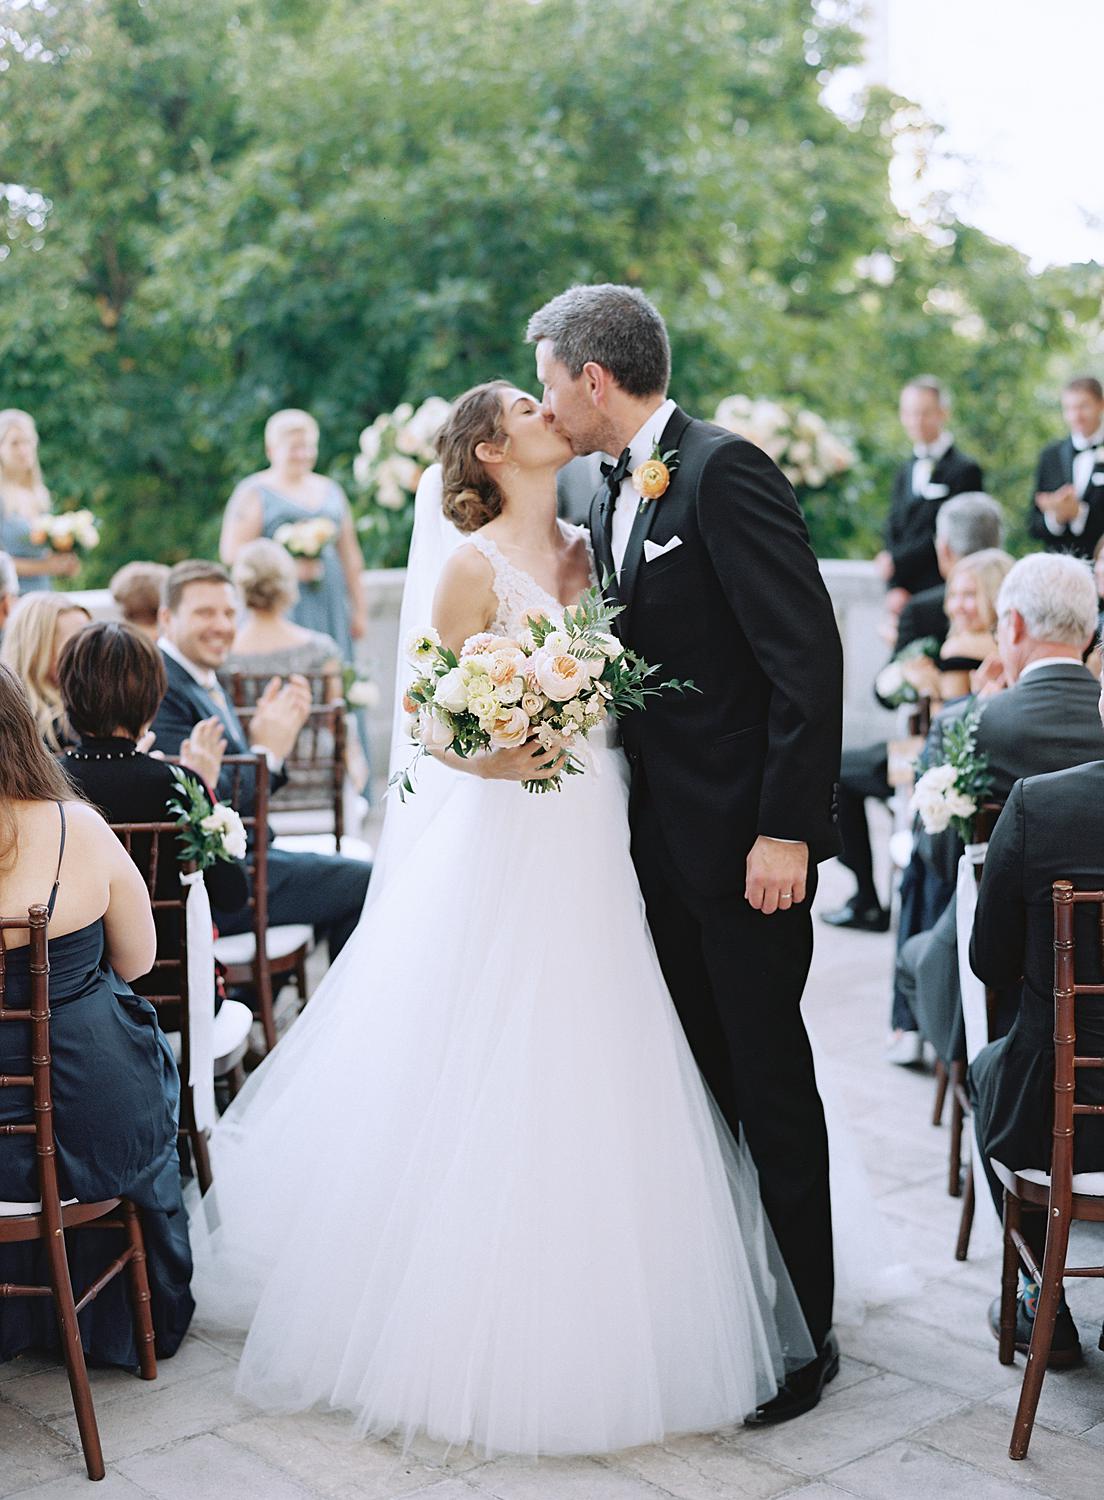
(221,207)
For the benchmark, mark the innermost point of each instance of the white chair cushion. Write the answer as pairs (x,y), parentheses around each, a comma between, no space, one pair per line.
(1089,1184)
(16,1210)
(232,1026)
(324,843)
(240,948)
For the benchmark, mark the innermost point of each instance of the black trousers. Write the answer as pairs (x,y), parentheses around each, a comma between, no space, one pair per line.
(862,775)
(325,890)
(736,978)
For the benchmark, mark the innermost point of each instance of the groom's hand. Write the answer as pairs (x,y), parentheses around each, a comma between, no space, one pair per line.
(776,872)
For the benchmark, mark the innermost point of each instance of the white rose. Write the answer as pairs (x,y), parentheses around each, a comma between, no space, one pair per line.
(451,691)
(370,440)
(511,728)
(510,692)
(224,822)
(363,694)
(433,731)
(532,703)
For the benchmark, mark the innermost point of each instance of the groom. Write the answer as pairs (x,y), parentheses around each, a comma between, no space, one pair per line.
(733,788)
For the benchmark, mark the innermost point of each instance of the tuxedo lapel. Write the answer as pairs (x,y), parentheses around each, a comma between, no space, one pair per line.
(1068,454)
(601,512)
(645,516)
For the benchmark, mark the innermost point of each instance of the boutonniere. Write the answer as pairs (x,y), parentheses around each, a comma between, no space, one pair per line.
(652,478)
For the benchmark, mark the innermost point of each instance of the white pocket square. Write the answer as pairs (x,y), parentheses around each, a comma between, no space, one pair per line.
(652,550)
(1098,478)
(936,491)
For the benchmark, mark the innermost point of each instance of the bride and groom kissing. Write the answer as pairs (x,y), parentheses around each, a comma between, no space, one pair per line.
(535,1112)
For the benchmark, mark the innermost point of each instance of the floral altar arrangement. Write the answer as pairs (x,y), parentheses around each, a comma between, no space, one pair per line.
(395,452)
(798,440)
(552,685)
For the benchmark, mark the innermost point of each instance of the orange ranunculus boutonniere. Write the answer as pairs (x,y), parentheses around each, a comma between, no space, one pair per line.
(652,478)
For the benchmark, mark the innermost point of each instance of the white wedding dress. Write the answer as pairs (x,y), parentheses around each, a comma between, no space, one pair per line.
(479,1190)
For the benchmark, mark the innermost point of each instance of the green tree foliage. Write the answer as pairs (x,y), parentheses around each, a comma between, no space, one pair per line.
(228,208)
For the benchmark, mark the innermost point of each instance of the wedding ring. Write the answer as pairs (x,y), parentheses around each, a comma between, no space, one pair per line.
(786,896)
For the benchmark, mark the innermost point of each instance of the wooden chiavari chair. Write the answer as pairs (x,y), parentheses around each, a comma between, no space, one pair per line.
(48,1220)
(1064,1196)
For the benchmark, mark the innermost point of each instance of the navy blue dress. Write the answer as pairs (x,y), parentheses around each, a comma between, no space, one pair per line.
(116,1099)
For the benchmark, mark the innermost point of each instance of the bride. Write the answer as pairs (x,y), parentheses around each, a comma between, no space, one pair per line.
(480,1190)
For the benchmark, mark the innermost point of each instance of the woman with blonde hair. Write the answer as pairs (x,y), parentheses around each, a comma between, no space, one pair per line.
(288,493)
(23,499)
(38,629)
(970,604)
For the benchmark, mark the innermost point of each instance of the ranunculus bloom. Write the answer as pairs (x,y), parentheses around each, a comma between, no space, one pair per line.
(511,728)
(532,703)
(651,479)
(559,676)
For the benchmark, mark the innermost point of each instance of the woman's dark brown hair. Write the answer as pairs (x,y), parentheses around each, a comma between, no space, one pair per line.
(471,496)
(28,772)
(111,677)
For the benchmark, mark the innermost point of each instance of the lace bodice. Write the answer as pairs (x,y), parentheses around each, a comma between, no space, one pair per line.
(518,593)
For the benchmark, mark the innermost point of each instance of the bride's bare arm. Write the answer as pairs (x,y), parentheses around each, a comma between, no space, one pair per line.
(464,605)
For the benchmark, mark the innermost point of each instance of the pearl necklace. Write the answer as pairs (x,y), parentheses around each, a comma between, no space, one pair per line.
(102,754)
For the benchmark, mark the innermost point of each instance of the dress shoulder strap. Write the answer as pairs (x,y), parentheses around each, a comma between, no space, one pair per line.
(61,856)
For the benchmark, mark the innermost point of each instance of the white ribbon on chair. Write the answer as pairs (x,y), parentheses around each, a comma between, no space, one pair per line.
(975,1014)
(201,1000)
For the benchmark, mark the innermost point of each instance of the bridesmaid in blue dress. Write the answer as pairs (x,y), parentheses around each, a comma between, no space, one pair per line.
(115,1084)
(331,595)
(23,498)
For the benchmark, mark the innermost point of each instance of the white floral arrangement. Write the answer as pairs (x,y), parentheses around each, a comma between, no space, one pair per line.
(360,692)
(551,686)
(798,440)
(951,792)
(69,531)
(207,832)
(306,538)
(397,449)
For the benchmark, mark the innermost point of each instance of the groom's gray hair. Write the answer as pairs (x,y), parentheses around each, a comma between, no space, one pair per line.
(608,325)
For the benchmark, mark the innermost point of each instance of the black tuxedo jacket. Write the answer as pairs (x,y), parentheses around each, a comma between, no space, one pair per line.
(183,706)
(740,608)
(923,616)
(910,528)
(1051,829)
(1055,468)
(1048,721)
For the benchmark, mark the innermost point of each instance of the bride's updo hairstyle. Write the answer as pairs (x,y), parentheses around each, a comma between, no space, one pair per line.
(471,496)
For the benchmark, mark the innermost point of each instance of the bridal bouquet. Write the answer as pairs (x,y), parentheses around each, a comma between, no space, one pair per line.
(70,531)
(206,833)
(305,538)
(951,793)
(798,441)
(552,685)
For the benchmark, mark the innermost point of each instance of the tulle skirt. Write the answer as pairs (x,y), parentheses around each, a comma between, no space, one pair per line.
(480,1191)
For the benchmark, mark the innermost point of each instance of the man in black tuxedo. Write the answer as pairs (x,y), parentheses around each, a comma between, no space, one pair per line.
(1067,513)
(1045,721)
(734,786)
(936,471)
(198,623)
(968,523)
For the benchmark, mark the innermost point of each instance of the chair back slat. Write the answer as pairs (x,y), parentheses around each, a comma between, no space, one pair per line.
(37,1017)
(1067,1064)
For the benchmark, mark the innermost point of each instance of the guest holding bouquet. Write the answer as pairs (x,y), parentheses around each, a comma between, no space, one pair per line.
(309,515)
(24,503)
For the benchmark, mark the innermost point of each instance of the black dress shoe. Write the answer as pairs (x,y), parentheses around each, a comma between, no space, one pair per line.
(800,1391)
(1065,1347)
(862,918)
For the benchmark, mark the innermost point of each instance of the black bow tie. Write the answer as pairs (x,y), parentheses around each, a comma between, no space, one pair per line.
(614,474)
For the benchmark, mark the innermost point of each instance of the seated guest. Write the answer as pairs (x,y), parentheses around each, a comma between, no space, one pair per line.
(9,588)
(935,471)
(112,681)
(34,637)
(969,523)
(1051,829)
(267,642)
(136,590)
(115,1086)
(198,624)
(968,608)
(1045,720)
(1067,513)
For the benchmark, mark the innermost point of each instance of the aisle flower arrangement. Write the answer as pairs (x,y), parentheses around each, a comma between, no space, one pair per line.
(799,441)
(394,453)
(949,794)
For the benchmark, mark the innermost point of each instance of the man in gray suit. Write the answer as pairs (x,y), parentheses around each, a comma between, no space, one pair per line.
(1047,719)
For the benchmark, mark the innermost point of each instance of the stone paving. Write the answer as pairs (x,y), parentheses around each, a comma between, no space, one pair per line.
(921,1406)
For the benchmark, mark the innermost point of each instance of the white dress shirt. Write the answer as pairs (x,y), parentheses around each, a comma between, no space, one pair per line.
(1049,661)
(925,458)
(628,501)
(1086,453)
